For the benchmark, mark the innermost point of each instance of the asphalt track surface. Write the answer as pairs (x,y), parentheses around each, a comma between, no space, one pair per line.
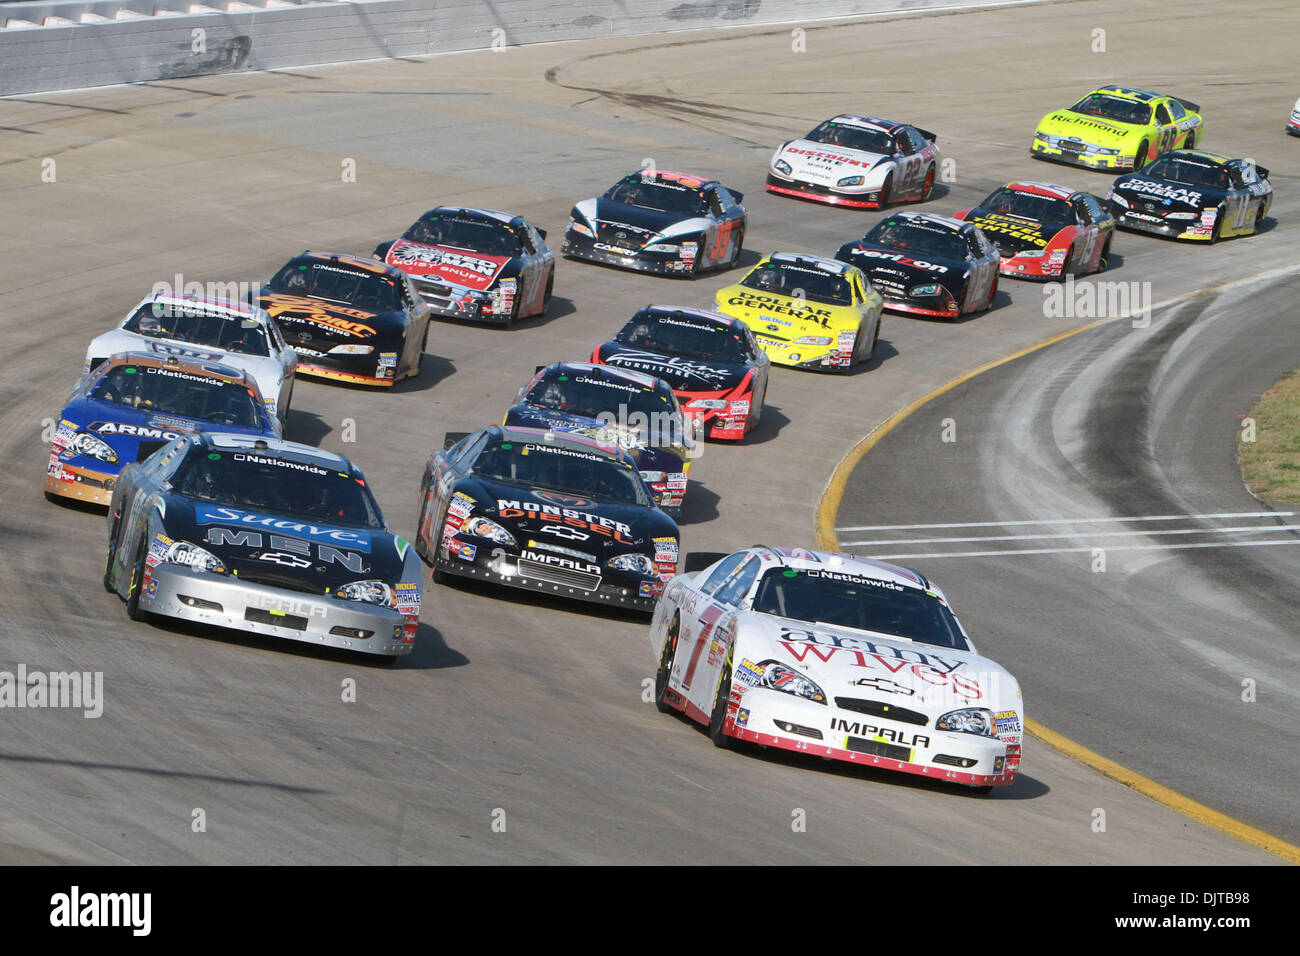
(531,711)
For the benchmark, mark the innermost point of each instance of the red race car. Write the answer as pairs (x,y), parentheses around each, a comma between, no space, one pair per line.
(711,362)
(1044,231)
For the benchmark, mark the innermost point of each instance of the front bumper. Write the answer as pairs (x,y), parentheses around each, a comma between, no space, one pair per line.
(451,301)
(920,307)
(1195,229)
(225,601)
(374,369)
(788,723)
(824,194)
(813,357)
(723,424)
(1034,267)
(658,263)
(1072,158)
(81,484)
(494,564)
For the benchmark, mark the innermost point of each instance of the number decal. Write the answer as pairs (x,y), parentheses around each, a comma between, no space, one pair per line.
(722,240)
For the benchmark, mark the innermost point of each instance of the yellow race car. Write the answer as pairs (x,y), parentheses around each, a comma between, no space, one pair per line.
(807,311)
(1116,127)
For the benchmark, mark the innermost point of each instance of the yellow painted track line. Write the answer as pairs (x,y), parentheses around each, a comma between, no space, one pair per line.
(829,505)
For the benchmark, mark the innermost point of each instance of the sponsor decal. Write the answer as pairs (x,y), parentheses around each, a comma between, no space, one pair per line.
(463,550)
(406,598)
(387,360)
(742,717)
(902,260)
(136,431)
(271,602)
(279,463)
(928,667)
(780,306)
(661,365)
(285,559)
(749,673)
(1181,194)
(573,518)
(295,309)
(650,589)
(461,505)
(884,734)
(559,498)
(1010,226)
(221,514)
(1007,722)
(885,685)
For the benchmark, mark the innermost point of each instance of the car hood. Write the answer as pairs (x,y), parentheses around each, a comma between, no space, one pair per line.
(1138,188)
(320,325)
(135,434)
(286,550)
(462,267)
(848,663)
(682,374)
(569,520)
(637,224)
(826,165)
(1013,234)
(1090,129)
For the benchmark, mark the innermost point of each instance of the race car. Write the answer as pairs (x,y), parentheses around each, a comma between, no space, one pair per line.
(928,265)
(712,362)
(1192,194)
(207,330)
(263,536)
(659,221)
(838,657)
(857,161)
(547,512)
(476,264)
(1043,231)
(349,319)
(618,408)
(133,404)
(1293,125)
(807,311)
(1117,127)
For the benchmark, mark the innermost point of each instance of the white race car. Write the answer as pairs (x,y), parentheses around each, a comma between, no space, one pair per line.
(211,330)
(857,161)
(1293,125)
(837,656)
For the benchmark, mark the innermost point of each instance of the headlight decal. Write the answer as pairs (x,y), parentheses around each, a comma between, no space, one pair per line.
(367,592)
(969,720)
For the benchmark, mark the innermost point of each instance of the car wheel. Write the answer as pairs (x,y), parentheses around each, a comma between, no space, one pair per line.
(1190,142)
(740,245)
(133,610)
(1140,159)
(666,658)
(1217,234)
(422,546)
(993,295)
(885,189)
(1068,264)
(424,345)
(927,190)
(1105,256)
(721,695)
(1259,220)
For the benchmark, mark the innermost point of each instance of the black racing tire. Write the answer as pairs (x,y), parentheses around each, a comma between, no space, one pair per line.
(993,296)
(1105,256)
(1140,158)
(885,188)
(718,716)
(1217,234)
(1067,264)
(424,345)
(666,657)
(136,582)
(421,547)
(1259,220)
(927,188)
(740,245)
(1190,142)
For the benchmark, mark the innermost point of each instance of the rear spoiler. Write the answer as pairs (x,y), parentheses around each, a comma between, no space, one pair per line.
(451,438)
(736,194)
(1186,104)
(932,137)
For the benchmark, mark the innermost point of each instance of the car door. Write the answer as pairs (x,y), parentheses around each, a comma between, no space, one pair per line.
(708,649)
(1167,130)
(983,264)
(718,243)
(910,166)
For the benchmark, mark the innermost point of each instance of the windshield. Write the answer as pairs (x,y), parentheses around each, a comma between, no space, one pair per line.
(367,291)
(853,137)
(1189,172)
(857,601)
(592,397)
(787,279)
(177,392)
(1114,108)
(1013,202)
(485,236)
(562,469)
(918,240)
(195,326)
(263,482)
(685,336)
(665,197)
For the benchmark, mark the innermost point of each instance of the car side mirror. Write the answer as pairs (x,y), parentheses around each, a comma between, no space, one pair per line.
(452,438)
(542,233)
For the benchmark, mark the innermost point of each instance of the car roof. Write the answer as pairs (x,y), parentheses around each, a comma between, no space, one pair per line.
(229,308)
(373,266)
(822,263)
(688,180)
(472,211)
(952,225)
(631,376)
(177,363)
(848,119)
(573,442)
(1041,189)
(687,312)
(1129,93)
(274,448)
(804,559)
(1217,159)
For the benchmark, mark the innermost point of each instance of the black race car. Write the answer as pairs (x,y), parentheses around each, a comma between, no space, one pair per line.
(265,536)
(659,221)
(348,318)
(1192,194)
(475,264)
(543,511)
(927,265)
(617,408)
(711,361)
